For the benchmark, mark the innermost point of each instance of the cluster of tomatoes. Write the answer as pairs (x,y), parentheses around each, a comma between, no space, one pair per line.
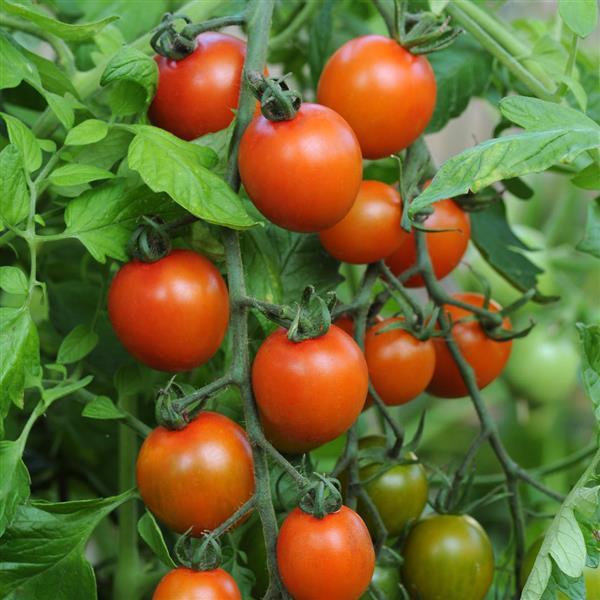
(305,174)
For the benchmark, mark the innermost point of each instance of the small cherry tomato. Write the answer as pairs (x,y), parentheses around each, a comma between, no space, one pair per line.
(371,230)
(186,584)
(198,476)
(310,392)
(400,365)
(302,174)
(330,558)
(386,94)
(446,247)
(447,557)
(199,93)
(386,580)
(171,314)
(486,356)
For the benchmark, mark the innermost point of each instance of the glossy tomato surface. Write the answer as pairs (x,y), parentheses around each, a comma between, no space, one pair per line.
(371,230)
(446,247)
(171,314)
(185,584)
(400,365)
(302,174)
(399,492)
(330,558)
(197,476)
(386,580)
(386,94)
(447,557)
(198,94)
(486,356)
(310,392)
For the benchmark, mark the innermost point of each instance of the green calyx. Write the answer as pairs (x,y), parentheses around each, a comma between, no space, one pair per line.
(277,101)
(150,241)
(166,412)
(199,554)
(322,497)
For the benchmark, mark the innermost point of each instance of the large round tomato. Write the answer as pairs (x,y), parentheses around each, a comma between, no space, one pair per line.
(186,584)
(543,365)
(386,93)
(310,392)
(171,314)
(198,476)
(302,174)
(386,580)
(371,230)
(399,493)
(486,356)
(449,557)
(446,247)
(198,94)
(331,558)
(400,365)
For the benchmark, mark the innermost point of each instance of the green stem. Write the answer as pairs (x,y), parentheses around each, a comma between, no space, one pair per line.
(563,87)
(128,560)
(284,38)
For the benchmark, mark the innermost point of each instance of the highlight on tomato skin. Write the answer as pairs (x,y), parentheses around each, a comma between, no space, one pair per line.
(386,94)
(199,93)
(486,356)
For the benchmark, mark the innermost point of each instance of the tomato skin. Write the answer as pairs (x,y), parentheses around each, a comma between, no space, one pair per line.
(186,584)
(371,230)
(310,392)
(486,356)
(446,248)
(302,174)
(171,314)
(198,476)
(329,558)
(386,94)
(198,94)
(400,365)
(447,557)
(385,580)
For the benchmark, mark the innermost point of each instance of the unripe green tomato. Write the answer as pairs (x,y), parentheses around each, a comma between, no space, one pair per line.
(386,580)
(399,493)
(590,576)
(543,366)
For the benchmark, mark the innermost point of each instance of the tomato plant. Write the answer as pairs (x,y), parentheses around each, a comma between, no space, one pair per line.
(227,228)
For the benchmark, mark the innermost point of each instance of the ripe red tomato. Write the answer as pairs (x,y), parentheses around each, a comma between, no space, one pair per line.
(186,584)
(171,314)
(386,94)
(449,557)
(302,174)
(331,558)
(371,230)
(198,94)
(197,476)
(310,392)
(400,365)
(486,356)
(446,248)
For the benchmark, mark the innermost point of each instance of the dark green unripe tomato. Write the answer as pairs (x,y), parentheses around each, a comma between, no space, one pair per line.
(447,557)
(386,580)
(399,493)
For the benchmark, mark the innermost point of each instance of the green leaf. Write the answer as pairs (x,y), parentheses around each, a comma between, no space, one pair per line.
(88,132)
(103,154)
(589,336)
(76,174)
(219,142)
(168,164)
(61,107)
(14,483)
(77,345)
(152,535)
(44,547)
(19,356)
(262,265)
(462,70)
(581,16)
(437,6)
(72,32)
(102,407)
(588,178)
(51,77)
(131,66)
(20,135)
(64,388)
(14,199)
(104,218)
(568,133)
(591,239)
(320,39)
(15,66)
(13,280)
